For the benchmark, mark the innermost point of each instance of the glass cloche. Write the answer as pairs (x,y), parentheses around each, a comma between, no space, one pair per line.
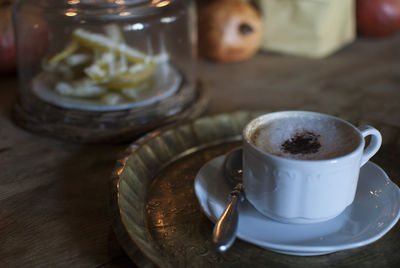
(93,70)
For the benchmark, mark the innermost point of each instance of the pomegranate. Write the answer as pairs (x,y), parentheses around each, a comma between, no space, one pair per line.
(229,31)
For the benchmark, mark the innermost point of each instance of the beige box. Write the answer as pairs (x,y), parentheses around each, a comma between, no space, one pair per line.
(312,28)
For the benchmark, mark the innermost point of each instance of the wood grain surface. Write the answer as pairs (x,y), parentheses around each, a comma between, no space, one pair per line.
(54,194)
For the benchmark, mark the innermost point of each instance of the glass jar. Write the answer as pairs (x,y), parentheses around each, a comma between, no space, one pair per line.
(92,70)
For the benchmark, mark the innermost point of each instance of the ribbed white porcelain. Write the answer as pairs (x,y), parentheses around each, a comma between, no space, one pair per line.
(303,191)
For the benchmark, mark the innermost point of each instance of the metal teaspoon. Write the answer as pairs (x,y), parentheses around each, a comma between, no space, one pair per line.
(225,229)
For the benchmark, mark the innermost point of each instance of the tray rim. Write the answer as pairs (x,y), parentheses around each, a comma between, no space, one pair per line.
(134,251)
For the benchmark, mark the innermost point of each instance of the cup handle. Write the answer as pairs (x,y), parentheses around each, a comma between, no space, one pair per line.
(373,146)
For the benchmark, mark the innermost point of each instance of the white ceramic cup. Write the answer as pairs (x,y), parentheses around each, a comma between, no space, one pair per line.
(303,191)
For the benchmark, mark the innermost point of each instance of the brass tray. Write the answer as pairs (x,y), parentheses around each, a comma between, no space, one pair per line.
(159,222)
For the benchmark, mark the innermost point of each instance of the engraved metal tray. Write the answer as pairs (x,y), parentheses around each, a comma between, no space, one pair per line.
(159,222)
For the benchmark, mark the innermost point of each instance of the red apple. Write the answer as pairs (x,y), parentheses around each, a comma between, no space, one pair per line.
(378,18)
(7,43)
(33,33)
(33,38)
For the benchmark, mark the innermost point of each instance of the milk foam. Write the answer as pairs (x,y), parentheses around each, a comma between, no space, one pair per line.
(334,138)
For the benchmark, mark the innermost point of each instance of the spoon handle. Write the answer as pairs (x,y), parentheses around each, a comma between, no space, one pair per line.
(224,233)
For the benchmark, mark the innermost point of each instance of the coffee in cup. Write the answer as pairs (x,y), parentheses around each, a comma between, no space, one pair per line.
(305,136)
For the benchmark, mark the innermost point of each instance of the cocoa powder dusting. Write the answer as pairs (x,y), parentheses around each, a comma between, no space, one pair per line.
(302,143)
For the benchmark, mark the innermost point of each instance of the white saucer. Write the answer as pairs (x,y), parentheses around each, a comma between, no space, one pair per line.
(374,212)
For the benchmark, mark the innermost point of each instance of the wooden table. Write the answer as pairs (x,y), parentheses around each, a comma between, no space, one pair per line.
(54,193)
